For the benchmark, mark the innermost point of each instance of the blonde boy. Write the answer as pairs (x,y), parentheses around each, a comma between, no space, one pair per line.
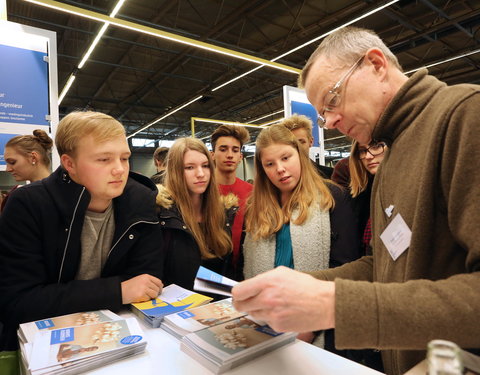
(84,238)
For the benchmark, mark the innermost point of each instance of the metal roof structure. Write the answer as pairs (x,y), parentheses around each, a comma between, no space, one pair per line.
(139,76)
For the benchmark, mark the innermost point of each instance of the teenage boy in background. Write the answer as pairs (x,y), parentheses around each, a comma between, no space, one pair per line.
(84,238)
(301,127)
(227,142)
(160,160)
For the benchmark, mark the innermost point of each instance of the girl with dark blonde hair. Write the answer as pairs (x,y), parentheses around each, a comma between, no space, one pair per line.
(192,216)
(294,218)
(27,158)
(363,164)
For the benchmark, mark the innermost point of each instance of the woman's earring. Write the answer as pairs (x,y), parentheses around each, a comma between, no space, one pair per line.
(34,162)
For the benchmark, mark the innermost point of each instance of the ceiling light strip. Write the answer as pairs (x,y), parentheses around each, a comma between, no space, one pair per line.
(93,45)
(160,34)
(268,115)
(89,51)
(240,76)
(444,61)
(373,11)
(165,116)
(272,122)
(66,88)
(223,122)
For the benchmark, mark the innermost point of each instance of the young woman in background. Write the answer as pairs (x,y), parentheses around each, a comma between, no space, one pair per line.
(192,216)
(28,157)
(363,164)
(295,218)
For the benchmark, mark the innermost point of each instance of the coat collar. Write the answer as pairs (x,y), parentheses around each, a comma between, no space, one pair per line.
(406,106)
(137,203)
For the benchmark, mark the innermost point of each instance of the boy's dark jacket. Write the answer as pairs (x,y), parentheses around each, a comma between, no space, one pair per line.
(40,250)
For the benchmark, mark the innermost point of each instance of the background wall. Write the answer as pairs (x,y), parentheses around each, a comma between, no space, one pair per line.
(6,181)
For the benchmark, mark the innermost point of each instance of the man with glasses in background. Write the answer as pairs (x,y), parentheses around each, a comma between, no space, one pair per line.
(422,281)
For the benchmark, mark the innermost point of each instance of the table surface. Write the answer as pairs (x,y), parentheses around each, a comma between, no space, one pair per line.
(163,356)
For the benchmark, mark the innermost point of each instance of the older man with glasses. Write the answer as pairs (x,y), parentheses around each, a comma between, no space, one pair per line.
(422,282)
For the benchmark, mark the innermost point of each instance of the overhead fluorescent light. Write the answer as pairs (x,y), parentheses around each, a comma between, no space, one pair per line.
(224,122)
(272,122)
(90,50)
(92,46)
(160,34)
(444,61)
(66,88)
(240,76)
(351,22)
(268,115)
(373,11)
(165,116)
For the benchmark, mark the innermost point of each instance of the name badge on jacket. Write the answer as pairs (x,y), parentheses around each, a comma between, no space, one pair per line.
(396,237)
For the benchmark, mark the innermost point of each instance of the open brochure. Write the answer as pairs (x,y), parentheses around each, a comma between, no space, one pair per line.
(173,299)
(229,344)
(193,320)
(74,350)
(212,282)
(27,331)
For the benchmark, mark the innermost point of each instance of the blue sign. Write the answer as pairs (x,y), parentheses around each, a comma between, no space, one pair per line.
(45,324)
(133,339)
(23,86)
(4,138)
(62,335)
(308,110)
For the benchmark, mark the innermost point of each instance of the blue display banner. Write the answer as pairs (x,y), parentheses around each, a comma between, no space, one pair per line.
(23,86)
(308,110)
(4,138)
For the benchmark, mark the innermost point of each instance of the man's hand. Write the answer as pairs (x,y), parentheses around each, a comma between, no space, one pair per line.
(141,288)
(287,300)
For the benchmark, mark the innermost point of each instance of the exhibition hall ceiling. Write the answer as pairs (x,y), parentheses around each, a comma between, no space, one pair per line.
(139,78)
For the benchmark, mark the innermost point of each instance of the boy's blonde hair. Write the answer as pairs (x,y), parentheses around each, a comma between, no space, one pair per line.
(299,122)
(77,125)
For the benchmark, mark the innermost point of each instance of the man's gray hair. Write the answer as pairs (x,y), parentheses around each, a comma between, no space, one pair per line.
(347,45)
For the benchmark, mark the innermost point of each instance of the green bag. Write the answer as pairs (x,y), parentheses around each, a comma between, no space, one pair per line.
(9,363)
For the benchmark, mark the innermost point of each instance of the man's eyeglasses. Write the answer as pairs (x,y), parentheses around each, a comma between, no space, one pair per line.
(333,98)
(374,149)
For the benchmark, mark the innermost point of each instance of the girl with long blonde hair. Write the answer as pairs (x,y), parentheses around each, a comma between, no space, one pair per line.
(192,216)
(294,218)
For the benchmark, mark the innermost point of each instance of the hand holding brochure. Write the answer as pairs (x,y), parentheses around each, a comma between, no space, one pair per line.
(212,282)
(173,299)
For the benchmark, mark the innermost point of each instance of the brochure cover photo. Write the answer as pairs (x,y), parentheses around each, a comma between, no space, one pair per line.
(28,330)
(74,343)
